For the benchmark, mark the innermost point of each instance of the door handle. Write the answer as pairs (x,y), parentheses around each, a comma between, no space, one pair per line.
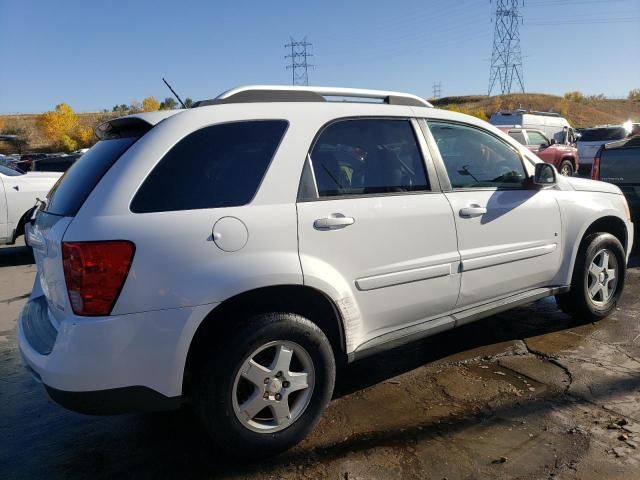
(333,222)
(472,210)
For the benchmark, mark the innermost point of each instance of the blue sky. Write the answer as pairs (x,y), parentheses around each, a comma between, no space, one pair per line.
(94,54)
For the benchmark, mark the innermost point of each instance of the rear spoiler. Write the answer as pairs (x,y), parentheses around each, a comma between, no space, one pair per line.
(131,125)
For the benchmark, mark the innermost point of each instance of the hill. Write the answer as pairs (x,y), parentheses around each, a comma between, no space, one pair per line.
(37,142)
(581,112)
(584,112)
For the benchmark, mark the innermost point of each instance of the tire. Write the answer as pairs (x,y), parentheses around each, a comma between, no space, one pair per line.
(223,394)
(566,168)
(579,302)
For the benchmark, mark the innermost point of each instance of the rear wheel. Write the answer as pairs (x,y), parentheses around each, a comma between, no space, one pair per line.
(598,278)
(265,387)
(566,168)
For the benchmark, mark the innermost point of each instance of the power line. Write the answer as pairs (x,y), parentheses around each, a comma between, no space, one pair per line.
(299,66)
(506,56)
(437,90)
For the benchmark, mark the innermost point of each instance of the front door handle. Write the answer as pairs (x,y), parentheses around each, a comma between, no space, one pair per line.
(473,210)
(333,222)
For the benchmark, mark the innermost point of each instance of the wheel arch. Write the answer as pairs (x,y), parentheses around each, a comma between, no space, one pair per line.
(303,300)
(607,224)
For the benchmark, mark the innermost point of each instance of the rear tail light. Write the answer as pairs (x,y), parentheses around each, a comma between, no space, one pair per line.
(95,273)
(595,169)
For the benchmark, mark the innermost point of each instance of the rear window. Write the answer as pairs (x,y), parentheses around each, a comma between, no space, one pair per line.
(603,134)
(72,189)
(217,166)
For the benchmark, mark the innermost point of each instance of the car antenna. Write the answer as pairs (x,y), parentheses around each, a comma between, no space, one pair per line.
(174,92)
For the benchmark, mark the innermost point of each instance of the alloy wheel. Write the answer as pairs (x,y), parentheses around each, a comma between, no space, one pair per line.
(273,386)
(602,278)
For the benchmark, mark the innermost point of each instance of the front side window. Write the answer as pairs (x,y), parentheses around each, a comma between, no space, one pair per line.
(474,158)
(217,166)
(368,156)
(536,138)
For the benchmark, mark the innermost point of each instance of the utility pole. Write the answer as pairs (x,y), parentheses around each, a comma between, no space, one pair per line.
(506,57)
(299,66)
(437,90)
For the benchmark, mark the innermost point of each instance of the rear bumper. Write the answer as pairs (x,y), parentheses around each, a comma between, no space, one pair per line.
(116,364)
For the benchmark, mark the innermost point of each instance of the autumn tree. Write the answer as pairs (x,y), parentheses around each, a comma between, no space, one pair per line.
(58,123)
(61,127)
(168,104)
(574,96)
(136,107)
(150,104)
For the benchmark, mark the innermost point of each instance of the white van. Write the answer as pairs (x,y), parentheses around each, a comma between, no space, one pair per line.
(552,124)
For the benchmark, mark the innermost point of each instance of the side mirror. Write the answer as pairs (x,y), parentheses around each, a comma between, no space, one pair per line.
(553,141)
(545,174)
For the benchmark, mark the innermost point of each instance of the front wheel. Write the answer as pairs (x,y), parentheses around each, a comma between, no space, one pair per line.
(598,278)
(265,387)
(566,168)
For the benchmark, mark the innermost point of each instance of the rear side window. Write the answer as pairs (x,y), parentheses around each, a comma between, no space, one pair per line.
(217,166)
(72,189)
(368,156)
(518,136)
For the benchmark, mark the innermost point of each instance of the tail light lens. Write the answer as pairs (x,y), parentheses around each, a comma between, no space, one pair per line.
(595,169)
(95,273)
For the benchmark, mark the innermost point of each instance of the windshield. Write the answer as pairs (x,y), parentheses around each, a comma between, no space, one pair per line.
(10,172)
(608,134)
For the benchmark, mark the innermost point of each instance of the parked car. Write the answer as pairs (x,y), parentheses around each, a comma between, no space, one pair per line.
(55,164)
(18,194)
(231,255)
(552,125)
(25,160)
(590,141)
(563,157)
(619,163)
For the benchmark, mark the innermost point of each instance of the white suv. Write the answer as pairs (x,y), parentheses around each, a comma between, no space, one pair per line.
(230,255)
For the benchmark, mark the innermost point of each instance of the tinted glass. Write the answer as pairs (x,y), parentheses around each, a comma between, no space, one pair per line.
(518,136)
(368,156)
(217,166)
(72,189)
(476,159)
(536,138)
(602,134)
(9,172)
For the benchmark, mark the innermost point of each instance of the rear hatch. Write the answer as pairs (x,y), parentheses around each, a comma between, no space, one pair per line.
(54,215)
(593,138)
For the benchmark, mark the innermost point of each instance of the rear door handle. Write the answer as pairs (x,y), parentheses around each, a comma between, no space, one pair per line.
(333,222)
(472,210)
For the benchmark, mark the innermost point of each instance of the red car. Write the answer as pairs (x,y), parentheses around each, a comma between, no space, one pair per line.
(563,157)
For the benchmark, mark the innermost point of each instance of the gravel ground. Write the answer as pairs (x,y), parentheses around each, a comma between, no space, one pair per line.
(524,394)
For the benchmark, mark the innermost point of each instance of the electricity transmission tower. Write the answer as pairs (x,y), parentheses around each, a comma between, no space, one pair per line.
(437,90)
(506,58)
(299,66)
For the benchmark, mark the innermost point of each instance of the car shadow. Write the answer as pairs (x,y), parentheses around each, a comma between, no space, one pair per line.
(16,255)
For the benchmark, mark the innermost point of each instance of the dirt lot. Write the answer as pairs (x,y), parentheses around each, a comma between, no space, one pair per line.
(524,394)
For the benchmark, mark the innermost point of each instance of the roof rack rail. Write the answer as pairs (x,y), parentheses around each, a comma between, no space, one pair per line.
(281,93)
(520,111)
